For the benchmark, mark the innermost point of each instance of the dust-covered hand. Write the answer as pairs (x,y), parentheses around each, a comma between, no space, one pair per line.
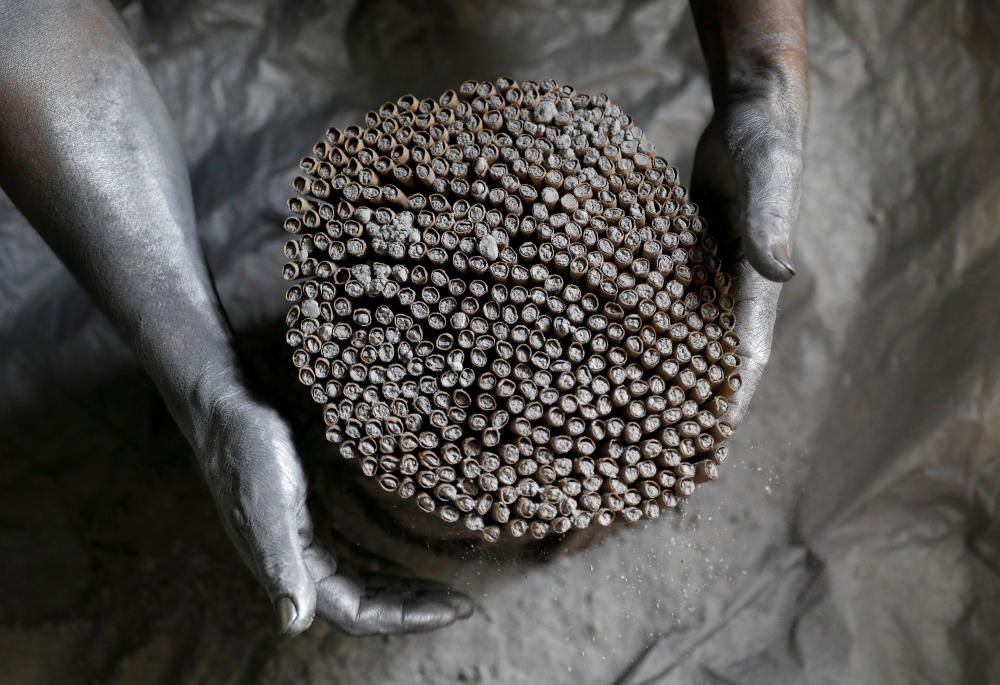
(251,467)
(89,155)
(748,165)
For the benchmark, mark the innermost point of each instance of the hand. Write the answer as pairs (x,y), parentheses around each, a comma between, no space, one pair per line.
(89,155)
(746,183)
(260,489)
(748,165)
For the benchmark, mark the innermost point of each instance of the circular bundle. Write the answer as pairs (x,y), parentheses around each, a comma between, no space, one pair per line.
(510,311)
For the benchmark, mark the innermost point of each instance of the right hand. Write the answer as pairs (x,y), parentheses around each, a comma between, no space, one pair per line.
(259,487)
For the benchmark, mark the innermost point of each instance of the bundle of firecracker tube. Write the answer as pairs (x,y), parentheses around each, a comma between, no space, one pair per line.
(508,310)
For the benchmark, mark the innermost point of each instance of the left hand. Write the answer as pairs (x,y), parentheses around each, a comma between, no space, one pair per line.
(746,181)
(748,166)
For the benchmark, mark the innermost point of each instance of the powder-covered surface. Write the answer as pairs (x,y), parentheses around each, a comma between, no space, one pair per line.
(853,536)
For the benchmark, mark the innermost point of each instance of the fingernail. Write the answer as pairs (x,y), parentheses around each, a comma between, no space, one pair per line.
(463,606)
(783,257)
(286,614)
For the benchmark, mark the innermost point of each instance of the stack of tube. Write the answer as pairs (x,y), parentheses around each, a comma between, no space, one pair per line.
(509,310)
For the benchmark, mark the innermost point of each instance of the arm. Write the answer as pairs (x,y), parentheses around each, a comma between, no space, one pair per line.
(88,153)
(748,166)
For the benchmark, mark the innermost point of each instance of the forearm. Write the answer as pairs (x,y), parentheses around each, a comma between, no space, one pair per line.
(753,46)
(89,155)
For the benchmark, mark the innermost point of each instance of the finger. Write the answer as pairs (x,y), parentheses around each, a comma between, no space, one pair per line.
(771,168)
(393,608)
(425,589)
(756,307)
(319,562)
(322,565)
(412,611)
(381,573)
(274,534)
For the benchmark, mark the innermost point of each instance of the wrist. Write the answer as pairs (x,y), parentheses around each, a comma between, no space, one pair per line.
(201,399)
(753,48)
(766,78)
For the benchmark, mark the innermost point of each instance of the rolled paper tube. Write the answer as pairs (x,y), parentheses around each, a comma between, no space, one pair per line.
(516,528)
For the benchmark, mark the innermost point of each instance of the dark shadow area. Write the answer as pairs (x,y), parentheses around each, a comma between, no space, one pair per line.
(109,539)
